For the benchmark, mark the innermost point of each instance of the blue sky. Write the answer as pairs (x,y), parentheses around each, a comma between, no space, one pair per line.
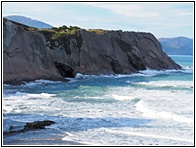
(163,19)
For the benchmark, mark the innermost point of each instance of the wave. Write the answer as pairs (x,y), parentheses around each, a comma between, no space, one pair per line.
(142,73)
(148,135)
(186,69)
(167,83)
(70,136)
(83,76)
(151,72)
(21,102)
(147,72)
(124,98)
(39,82)
(27,95)
(149,112)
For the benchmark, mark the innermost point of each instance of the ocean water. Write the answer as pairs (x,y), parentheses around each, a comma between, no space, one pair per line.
(148,108)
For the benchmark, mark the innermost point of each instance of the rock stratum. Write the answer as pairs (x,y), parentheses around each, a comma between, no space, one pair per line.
(29,53)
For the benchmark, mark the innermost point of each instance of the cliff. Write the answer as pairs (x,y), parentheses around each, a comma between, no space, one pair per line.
(30,54)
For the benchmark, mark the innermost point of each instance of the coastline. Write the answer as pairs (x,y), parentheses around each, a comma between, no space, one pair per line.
(91,110)
(43,141)
(37,137)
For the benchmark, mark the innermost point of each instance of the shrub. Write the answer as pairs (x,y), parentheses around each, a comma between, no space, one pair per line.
(32,29)
(98,31)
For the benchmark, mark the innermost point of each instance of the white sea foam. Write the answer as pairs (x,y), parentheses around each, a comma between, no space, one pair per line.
(186,69)
(150,112)
(187,84)
(82,76)
(151,72)
(25,102)
(81,110)
(123,75)
(40,82)
(123,97)
(19,95)
(70,137)
(145,73)
(116,76)
(149,135)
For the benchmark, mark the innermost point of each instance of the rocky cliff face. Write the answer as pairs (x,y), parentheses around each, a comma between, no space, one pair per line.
(30,55)
(25,56)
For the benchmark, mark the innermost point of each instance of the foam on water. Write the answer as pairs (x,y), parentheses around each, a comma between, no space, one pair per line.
(151,72)
(39,82)
(82,76)
(25,102)
(149,135)
(148,72)
(121,98)
(22,95)
(150,112)
(70,136)
(147,108)
(187,84)
(128,136)
(186,69)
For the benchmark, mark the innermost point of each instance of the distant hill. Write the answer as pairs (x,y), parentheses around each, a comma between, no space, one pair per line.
(28,21)
(177,46)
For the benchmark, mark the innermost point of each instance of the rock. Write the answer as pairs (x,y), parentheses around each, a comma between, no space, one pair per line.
(27,55)
(37,125)
(121,53)
(29,126)
(56,44)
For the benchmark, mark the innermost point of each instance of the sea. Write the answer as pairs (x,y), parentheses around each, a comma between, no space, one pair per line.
(149,108)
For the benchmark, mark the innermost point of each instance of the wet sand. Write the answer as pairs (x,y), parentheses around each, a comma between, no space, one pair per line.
(40,141)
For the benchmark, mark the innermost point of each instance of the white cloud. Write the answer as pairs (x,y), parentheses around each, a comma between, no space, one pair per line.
(127,9)
(160,18)
(185,13)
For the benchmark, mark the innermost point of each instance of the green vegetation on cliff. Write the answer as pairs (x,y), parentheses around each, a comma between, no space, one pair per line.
(62,36)
(55,33)
(98,31)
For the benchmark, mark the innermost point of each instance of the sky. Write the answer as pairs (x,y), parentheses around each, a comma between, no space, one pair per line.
(163,19)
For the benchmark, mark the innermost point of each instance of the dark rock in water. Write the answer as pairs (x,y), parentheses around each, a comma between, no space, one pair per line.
(29,126)
(47,54)
(37,125)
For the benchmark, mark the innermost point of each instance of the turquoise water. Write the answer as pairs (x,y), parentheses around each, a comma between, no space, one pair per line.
(184,60)
(148,108)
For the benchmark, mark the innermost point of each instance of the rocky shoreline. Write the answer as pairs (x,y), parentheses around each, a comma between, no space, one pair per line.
(35,126)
